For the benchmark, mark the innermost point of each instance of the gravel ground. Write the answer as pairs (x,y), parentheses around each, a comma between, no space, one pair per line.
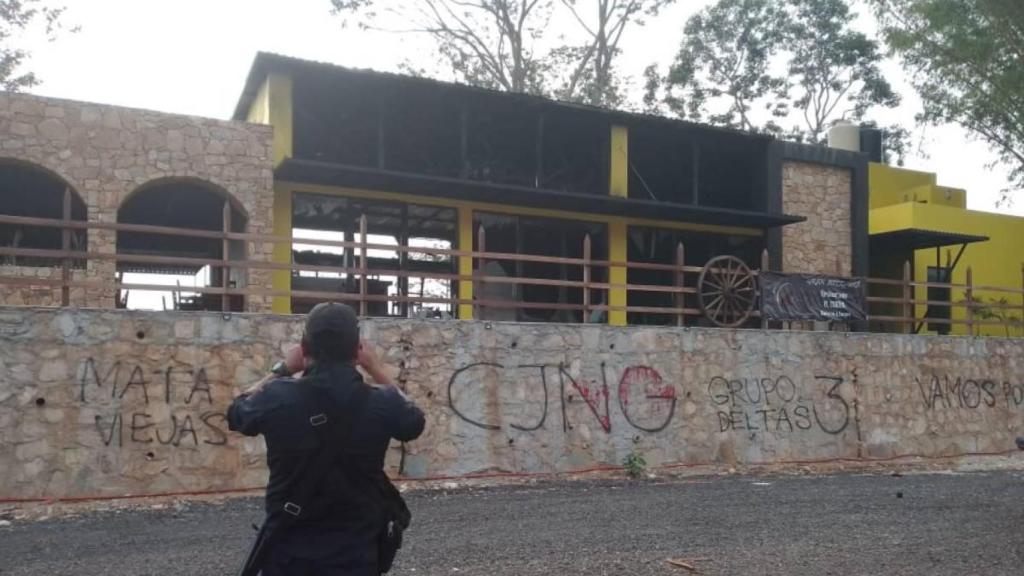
(929,524)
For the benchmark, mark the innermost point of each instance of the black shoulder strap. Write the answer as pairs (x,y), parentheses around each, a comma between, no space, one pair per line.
(333,429)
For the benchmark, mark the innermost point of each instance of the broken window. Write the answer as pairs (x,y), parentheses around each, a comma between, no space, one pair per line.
(537,237)
(575,150)
(336,218)
(188,204)
(30,191)
(662,165)
(659,246)
(732,171)
(425,138)
(336,122)
(502,144)
(700,166)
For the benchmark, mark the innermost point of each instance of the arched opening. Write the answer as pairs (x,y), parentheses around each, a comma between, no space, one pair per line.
(32,191)
(179,203)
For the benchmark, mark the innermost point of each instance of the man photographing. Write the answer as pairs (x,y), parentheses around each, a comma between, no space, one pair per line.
(331,509)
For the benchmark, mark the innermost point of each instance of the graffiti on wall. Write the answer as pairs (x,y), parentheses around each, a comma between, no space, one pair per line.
(957,392)
(183,394)
(645,400)
(779,405)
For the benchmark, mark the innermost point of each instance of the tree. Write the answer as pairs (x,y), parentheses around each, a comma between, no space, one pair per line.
(15,17)
(834,70)
(725,56)
(786,67)
(487,43)
(966,60)
(591,79)
(508,44)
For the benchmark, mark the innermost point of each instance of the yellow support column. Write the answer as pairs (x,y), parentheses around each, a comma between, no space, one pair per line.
(618,180)
(617,274)
(618,185)
(465,262)
(282,279)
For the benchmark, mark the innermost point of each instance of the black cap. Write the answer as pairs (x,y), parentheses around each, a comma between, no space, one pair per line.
(332,332)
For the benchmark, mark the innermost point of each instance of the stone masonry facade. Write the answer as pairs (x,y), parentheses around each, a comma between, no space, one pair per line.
(105,153)
(108,403)
(823,244)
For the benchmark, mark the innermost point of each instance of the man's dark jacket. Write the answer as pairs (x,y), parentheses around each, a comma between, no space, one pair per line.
(340,519)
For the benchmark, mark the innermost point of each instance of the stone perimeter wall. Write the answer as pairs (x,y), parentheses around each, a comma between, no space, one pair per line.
(105,153)
(99,402)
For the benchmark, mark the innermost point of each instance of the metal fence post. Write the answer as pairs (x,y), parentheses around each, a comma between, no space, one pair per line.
(680,282)
(481,263)
(765,266)
(65,242)
(907,314)
(586,278)
(225,301)
(970,301)
(363,266)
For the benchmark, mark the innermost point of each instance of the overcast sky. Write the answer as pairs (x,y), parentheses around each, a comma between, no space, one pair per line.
(191,57)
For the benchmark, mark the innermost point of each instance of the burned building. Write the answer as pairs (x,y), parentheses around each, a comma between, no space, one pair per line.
(472,177)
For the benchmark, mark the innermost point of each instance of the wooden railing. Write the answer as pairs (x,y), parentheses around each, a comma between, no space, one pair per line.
(594,296)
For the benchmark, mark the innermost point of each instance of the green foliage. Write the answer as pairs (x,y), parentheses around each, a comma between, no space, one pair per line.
(966,60)
(726,54)
(15,17)
(635,465)
(994,309)
(791,68)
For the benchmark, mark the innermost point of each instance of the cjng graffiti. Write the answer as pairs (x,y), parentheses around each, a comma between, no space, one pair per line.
(183,395)
(779,405)
(645,400)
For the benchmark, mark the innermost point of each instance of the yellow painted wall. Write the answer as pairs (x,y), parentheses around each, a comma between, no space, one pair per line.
(925,206)
(273,105)
(996,262)
(890,185)
(259,110)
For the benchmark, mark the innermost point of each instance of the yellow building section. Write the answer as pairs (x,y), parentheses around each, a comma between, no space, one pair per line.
(618,178)
(282,279)
(890,185)
(618,241)
(996,262)
(617,226)
(273,105)
(465,264)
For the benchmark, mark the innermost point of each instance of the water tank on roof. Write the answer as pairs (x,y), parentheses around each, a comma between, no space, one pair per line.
(844,136)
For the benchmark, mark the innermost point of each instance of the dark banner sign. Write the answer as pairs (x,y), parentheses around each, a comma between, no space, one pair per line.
(790,297)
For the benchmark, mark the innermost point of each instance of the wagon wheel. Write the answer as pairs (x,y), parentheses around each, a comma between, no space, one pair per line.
(726,291)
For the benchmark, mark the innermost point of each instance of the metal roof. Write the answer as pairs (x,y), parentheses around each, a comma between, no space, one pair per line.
(330,174)
(266,63)
(919,238)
